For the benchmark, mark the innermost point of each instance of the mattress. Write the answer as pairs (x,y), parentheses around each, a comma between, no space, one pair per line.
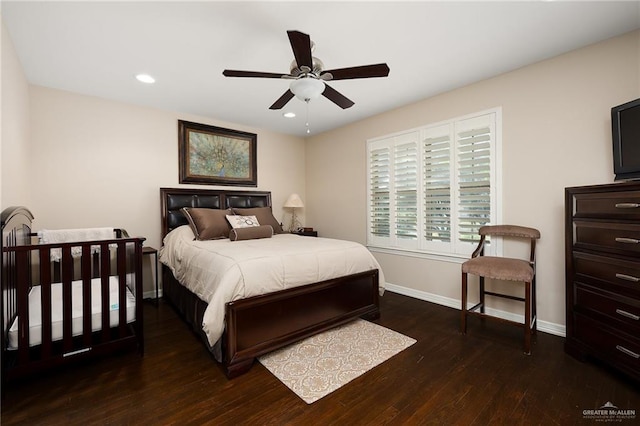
(35,310)
(221,271)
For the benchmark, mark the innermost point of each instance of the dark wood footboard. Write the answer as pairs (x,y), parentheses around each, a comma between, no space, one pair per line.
(261,324)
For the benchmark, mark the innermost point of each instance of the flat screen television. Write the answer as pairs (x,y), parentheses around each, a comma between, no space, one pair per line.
(625,126)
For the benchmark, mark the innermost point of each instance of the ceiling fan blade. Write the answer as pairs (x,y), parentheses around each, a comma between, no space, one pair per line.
(364,71)
(336,97)
(301,46)
(282,100)
(236,73)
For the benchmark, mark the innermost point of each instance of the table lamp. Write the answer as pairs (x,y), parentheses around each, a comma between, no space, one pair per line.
(294,202)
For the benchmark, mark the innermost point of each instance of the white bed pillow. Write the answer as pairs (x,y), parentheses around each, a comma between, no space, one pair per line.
(238,221)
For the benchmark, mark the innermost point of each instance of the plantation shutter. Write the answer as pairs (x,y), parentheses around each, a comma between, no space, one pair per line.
(379,192)
(432,188)
(474,178)
(406,189)
(437,185)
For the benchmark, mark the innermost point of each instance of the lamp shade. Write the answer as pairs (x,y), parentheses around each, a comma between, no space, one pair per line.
(307,88)
(294,201)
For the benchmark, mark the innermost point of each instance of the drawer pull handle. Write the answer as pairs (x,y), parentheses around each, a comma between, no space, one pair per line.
(627,351)
(627,205)
(627,240)
(628,277)
(627,314)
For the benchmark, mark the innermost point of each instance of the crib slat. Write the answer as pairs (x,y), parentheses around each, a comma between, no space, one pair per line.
(122,285)
(45,295)
(22,270)
(85,272)
(139,327)
(67,277)
(105,269)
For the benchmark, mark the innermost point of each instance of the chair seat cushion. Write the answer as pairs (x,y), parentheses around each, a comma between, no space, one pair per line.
(499,268)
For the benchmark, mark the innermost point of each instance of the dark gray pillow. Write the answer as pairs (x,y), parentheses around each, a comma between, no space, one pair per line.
(264,216)
(208,224)
(251,233)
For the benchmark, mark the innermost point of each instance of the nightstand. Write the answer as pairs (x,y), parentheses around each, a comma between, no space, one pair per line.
(306,233)
(154,252)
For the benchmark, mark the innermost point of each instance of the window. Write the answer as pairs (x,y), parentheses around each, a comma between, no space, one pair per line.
(431,188)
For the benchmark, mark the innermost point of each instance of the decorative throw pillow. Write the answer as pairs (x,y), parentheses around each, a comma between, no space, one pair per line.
(208,224)
(264,216)
(251,233)
(238,221)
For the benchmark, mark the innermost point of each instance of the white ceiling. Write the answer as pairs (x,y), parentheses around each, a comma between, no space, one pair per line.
(97,48)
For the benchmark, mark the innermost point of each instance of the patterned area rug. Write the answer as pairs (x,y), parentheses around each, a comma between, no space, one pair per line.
(318,365)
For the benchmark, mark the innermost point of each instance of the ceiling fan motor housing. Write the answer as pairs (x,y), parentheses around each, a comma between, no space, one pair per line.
(317,64)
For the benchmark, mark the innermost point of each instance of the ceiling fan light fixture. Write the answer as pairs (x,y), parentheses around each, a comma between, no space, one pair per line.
(307,88)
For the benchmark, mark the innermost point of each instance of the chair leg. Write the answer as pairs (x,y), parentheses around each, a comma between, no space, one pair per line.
(481,280)
(463,310)
(527,318)
(533,305)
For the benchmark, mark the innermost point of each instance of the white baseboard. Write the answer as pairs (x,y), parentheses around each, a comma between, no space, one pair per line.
(543,326)
(151,294)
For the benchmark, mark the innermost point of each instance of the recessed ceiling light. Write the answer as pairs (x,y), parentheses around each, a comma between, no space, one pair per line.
(145,78)
(289,114)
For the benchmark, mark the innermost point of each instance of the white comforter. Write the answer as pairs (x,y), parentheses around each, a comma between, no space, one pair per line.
(220,271)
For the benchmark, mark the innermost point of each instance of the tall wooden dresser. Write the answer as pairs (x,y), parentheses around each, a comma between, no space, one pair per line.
(602,226)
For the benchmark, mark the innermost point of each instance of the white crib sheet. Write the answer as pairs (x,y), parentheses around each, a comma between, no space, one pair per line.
(35,311)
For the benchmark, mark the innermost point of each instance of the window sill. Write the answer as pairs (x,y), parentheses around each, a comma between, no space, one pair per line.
(448,257)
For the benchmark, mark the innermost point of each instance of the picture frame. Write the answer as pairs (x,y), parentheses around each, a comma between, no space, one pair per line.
(216,156)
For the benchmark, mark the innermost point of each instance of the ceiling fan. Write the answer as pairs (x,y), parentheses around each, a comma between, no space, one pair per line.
(309,77)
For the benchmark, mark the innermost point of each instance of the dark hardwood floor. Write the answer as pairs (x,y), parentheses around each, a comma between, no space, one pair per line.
(445,378)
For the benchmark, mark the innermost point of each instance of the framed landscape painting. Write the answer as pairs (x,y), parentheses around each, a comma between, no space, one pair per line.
(216,156)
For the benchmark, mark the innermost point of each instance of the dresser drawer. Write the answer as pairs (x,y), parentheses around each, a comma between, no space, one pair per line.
(610,345)
(609,273)
(617,311)
(615,204)
(621,238)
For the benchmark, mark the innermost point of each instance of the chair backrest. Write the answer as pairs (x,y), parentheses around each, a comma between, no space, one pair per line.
(511,231)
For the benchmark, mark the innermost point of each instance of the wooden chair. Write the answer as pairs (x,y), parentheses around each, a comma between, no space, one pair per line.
(503,268)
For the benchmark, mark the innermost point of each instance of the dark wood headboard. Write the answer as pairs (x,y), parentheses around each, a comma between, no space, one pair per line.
(173,199)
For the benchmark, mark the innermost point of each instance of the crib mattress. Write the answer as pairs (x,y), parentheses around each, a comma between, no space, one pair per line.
(35,310)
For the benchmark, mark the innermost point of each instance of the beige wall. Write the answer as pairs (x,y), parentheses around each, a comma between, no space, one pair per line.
(14,137)
(101,163)
(556,133)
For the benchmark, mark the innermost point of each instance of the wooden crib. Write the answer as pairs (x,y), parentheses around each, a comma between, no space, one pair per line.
(54,312)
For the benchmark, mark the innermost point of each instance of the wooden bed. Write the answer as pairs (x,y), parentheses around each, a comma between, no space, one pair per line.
(113,276)
(261,324)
